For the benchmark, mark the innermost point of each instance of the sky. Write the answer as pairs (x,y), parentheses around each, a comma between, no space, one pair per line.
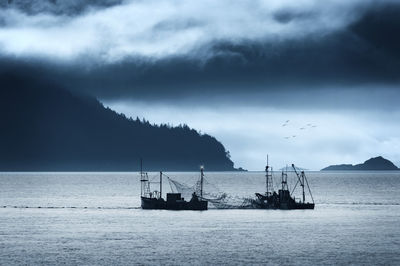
(237,70)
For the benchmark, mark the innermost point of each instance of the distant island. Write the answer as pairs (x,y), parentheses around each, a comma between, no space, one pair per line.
(47,128)
(377,163)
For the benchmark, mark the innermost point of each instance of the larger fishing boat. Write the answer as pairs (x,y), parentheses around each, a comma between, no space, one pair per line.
(153,200)
(284,199)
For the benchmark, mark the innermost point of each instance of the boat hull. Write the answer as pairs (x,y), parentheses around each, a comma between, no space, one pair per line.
(304,206)
(153,203)
(174,202)
(281,201)
(283,206)
(189,206)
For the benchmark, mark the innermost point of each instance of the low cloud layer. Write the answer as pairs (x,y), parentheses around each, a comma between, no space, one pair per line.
(57,7)
(110,31)
(170,49)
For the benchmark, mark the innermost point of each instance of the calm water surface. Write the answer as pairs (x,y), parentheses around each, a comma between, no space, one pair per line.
(94,219)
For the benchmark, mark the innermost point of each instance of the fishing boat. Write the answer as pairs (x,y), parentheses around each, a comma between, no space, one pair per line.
(284,198)
(153,200)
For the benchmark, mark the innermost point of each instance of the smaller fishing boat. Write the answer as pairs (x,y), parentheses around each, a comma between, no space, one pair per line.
(283,199)
(153,200)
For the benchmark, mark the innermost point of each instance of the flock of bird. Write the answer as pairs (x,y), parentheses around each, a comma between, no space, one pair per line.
(307,126)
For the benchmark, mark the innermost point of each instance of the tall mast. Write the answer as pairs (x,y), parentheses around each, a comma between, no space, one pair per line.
(201,180)
(160,184)
(144,181)
(266,176)
(141,177)
(300,179)
(268,179)
(302,185)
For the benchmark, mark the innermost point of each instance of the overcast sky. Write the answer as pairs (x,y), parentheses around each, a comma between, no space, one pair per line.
(234,69)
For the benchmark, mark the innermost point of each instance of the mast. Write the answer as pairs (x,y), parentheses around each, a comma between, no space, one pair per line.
(302,185)
(268,179)
(144,181)
(141,166)
(201,180)
(266,176)
(300,179)
(141,177)
(284,180)
(160,184)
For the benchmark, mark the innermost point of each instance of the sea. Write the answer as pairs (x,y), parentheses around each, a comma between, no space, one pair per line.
(96,219)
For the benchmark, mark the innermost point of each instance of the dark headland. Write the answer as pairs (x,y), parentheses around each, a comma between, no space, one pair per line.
(377,163)
(47,128)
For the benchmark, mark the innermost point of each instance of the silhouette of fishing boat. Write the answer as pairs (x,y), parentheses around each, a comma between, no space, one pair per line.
(153,200)
(283,199)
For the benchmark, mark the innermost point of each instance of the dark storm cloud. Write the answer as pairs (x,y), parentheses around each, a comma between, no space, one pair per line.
(288,15)
(59,7)
(159,29)
(363,52)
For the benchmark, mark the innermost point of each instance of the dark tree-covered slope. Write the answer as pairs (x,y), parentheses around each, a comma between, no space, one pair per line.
(377,163)
(46,128)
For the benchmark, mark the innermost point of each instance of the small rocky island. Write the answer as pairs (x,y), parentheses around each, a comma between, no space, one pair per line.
(377,163)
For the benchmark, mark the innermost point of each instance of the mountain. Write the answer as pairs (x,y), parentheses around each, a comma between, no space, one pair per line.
(377,163)
(47,128)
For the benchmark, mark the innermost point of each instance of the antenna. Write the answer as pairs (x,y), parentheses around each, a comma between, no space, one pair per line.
(201,180)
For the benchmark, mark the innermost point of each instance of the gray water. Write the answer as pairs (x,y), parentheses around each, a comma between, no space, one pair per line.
(95,219)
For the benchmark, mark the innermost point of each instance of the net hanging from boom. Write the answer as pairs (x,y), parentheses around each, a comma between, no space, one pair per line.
(211,193)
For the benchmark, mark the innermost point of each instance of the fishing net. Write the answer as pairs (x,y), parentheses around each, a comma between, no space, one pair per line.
(222,200)
(211,193)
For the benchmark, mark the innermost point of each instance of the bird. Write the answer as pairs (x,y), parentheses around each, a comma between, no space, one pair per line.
(285,124)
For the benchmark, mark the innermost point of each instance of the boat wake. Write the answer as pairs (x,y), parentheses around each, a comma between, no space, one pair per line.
(68,207)
(362,203)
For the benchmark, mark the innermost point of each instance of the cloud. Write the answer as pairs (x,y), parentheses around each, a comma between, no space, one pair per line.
(158,29)
(178,49)
(56,7)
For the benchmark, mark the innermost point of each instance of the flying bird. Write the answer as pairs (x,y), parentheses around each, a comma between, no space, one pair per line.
(285,124)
